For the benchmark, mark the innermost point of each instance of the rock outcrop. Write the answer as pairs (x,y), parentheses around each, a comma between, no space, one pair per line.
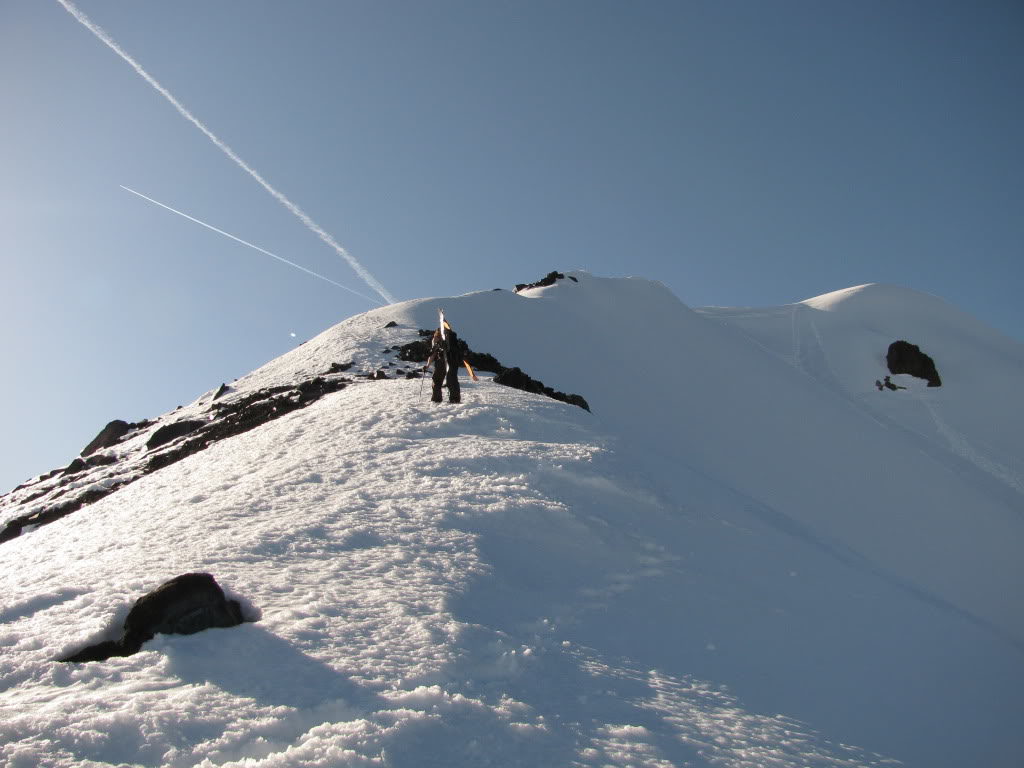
(515,378)
(108,436)
(227,418)
(184,605)
(68,489)
(904,357)
(419,351)
(549,279)
(169,432)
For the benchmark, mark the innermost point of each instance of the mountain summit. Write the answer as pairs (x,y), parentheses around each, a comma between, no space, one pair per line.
(769,542)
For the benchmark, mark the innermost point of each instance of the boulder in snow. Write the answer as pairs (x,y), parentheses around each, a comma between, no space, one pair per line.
(169,432)
(904,357)
(184,605)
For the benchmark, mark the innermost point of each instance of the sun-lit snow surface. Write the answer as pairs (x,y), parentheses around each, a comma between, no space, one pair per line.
(841,338)
(746,556)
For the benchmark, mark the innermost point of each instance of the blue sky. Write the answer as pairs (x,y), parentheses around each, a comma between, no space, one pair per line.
(742,153)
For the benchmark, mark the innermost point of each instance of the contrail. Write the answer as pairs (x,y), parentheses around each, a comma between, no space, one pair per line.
(243,242)
(369,279)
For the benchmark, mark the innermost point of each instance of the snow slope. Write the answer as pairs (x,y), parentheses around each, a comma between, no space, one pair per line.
(744,556)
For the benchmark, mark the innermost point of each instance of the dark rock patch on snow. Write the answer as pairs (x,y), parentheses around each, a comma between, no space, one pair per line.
(228,418)
(80,464)
(68,489)
(108,436)
(184,605)
(14,527)
(415,351)
(392,324)
(904,357)
(241,415)
(548,279)
(515,378)
(169,432)
(419,351)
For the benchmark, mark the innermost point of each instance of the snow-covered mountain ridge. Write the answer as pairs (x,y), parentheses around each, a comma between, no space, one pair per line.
(515,581)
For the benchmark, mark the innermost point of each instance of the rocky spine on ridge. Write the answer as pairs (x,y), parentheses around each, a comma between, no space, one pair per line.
(108,436)
(68,489)
(167,445)
(904,357)
(419,351)
(549,279)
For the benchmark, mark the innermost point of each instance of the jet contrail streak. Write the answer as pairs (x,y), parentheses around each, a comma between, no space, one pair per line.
(369,279)
(243,242)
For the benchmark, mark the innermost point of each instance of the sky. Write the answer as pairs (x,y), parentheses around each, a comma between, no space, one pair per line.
(741,153)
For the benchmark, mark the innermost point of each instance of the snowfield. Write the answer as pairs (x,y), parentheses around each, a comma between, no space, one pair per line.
(745,556)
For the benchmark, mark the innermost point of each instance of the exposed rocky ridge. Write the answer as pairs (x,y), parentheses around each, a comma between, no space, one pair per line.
(549,279)
(515,378)
(67,490)
(248,412)
(108,436)
(419,351)
(129,453)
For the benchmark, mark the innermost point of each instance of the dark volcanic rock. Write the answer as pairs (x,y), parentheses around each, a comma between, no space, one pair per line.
(515,378)
(481,361)
(904,357)
(225,417)
(184,605)
(419,351)
(548,279)
(578,401)
(14,527)
(108,436)
(247,413)
(80,464)
(74,467)
(173,431)
(415,351)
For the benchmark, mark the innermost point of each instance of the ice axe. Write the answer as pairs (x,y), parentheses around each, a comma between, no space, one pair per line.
(423,375)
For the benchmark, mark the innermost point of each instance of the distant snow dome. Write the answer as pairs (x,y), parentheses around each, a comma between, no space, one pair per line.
(880,301)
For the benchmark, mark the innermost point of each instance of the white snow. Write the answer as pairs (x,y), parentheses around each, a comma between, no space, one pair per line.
(745,556)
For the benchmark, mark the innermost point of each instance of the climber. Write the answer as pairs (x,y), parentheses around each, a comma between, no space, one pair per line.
(446,355)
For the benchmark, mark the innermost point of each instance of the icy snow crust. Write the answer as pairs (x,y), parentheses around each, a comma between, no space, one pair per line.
(746,556)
